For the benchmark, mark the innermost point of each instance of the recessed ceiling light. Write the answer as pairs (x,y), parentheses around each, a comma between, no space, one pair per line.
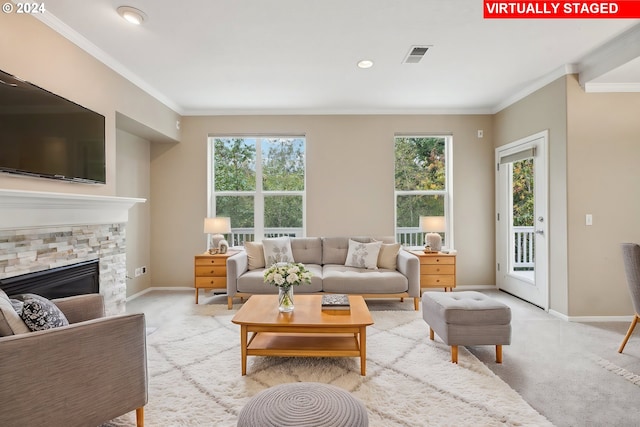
(132,15)
(365,63)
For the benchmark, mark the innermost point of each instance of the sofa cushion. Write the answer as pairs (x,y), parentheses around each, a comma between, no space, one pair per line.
(10,321)
(253,282)
(387,258)
(276,250)
(255,254)
(39,313)
(350,280)
(307,250)
(363,255)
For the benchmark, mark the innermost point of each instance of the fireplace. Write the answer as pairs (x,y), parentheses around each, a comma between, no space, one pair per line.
(43,231)
(75,279)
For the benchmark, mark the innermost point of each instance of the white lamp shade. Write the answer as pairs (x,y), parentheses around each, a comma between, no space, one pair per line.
(217,225)
(433,224)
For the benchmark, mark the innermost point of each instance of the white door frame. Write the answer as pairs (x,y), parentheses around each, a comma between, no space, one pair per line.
(536,292)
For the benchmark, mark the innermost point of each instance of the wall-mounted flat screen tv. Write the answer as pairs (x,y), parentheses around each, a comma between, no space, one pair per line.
(45,135)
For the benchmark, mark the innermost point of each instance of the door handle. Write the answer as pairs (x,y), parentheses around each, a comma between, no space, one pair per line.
(540,232)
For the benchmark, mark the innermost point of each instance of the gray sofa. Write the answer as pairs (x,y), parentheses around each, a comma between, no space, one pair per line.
(83,374)
(325,257)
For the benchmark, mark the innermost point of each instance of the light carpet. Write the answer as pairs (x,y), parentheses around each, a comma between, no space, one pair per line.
(195,377)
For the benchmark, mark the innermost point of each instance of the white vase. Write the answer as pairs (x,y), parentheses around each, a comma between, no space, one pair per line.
(285,299)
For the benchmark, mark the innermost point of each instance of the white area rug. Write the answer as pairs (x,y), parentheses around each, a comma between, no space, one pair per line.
(195,377)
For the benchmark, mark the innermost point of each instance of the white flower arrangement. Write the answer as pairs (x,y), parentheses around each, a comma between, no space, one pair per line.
(287,274)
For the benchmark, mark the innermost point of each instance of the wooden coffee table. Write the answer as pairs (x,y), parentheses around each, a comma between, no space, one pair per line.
(305,332)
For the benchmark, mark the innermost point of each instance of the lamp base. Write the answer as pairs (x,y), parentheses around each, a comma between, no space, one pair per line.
(434,242)
(215,243)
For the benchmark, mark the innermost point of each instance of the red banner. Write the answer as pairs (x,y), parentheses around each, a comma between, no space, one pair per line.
(625,9)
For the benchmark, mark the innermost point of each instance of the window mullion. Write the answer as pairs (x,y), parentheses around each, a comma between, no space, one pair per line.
(258,208)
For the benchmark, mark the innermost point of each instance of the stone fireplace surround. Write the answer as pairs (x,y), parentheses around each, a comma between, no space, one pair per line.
(40,231)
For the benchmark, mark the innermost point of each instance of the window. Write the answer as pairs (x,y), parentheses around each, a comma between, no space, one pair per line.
(259,183)
(422,186)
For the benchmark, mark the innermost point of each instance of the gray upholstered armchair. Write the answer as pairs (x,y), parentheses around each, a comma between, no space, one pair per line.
(83,374)
(631,258)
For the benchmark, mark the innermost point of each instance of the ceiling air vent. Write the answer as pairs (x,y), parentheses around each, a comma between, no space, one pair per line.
(415,54)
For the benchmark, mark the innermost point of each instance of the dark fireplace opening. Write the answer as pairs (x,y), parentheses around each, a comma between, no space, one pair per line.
(59,282)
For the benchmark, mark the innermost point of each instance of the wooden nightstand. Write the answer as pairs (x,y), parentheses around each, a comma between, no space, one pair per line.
(437,270)
(211,271)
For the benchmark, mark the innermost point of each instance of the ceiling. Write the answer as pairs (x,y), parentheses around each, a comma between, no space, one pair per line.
(299,57)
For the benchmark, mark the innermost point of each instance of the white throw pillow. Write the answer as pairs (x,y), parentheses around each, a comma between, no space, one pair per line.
(255,254)
(388,256)
(12,323)
(277,250)
(363,255)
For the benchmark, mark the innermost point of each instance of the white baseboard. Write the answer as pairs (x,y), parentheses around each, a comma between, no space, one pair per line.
(160,288)
(475,287)
(590,319)
(585,319)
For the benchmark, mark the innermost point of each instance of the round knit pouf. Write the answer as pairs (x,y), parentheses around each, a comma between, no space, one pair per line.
(303,405)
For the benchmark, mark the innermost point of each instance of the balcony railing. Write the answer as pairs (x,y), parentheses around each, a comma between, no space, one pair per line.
(241,235)
(410,236)
(524,248)
(523,258)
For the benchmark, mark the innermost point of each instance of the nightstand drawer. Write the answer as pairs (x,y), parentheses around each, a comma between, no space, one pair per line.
(438,269)
(211,282)
(211,270)
(218,261)
(438,260)
(437,280)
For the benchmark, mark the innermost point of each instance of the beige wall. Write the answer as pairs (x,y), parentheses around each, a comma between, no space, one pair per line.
(546,109)
(594,150)
(134,180)
(350,184)
(604,180)
(32,51)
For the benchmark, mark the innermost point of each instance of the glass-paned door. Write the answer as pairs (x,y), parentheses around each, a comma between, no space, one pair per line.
(521,219)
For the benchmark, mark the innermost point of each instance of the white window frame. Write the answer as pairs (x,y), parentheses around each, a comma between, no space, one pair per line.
(259,193)
(447,193)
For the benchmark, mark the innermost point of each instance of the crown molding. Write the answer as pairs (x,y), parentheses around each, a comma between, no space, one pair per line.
(337,112)
(536,85)
(83,43)
(611,87)
(609,56)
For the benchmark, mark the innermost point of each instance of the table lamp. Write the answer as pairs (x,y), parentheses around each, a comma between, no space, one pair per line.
(217,226)
(432,225)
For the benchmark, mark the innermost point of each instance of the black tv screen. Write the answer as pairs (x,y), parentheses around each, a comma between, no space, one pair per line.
(45,135)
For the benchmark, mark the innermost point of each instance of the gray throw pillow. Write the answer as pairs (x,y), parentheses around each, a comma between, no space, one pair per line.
(39,313)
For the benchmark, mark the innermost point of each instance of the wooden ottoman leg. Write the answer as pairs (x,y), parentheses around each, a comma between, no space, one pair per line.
(140,417)
(499,354)
(454,354)
(431,336)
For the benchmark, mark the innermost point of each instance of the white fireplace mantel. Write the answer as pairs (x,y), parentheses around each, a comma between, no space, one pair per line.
(28,209)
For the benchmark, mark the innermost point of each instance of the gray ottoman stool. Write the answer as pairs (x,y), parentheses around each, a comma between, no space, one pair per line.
(303,405)
(467,318)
